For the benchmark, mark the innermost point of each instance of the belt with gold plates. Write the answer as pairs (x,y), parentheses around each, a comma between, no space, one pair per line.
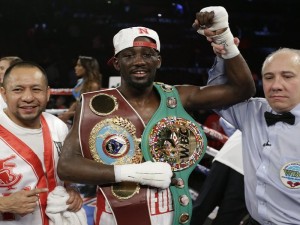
(110,133)
(173,136)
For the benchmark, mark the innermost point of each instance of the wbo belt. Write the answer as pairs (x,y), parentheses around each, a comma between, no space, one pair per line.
(174,137)
(110,132)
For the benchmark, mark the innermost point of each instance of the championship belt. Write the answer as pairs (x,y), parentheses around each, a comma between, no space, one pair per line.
(174,137)
(110,133)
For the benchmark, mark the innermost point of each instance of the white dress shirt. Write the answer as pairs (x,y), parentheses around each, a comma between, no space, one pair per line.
(271,158)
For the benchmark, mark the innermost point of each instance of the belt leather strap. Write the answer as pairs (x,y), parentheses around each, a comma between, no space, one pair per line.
(133,210)
(168,137)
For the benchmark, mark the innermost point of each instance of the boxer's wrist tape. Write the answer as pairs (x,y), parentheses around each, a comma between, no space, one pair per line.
(122,172)
(227,40)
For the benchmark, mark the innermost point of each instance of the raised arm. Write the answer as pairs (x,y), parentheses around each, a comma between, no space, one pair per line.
(238,85)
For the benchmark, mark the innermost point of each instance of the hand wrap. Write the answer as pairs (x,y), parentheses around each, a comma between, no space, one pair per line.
(155,174)
(220,21)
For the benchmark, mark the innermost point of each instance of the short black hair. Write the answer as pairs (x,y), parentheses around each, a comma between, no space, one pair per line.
(24,64)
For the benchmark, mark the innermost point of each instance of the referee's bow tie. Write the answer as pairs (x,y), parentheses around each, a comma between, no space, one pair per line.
(271,118)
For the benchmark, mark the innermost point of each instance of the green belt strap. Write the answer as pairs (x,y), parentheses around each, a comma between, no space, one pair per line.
(173,136)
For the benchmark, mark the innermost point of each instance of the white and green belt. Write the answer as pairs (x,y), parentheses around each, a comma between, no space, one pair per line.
(173,136)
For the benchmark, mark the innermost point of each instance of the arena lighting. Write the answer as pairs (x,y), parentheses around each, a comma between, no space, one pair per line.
(178,7)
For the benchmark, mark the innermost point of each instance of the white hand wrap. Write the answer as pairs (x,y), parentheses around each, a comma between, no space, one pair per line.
(155,174)
(220,18)
(226,38)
